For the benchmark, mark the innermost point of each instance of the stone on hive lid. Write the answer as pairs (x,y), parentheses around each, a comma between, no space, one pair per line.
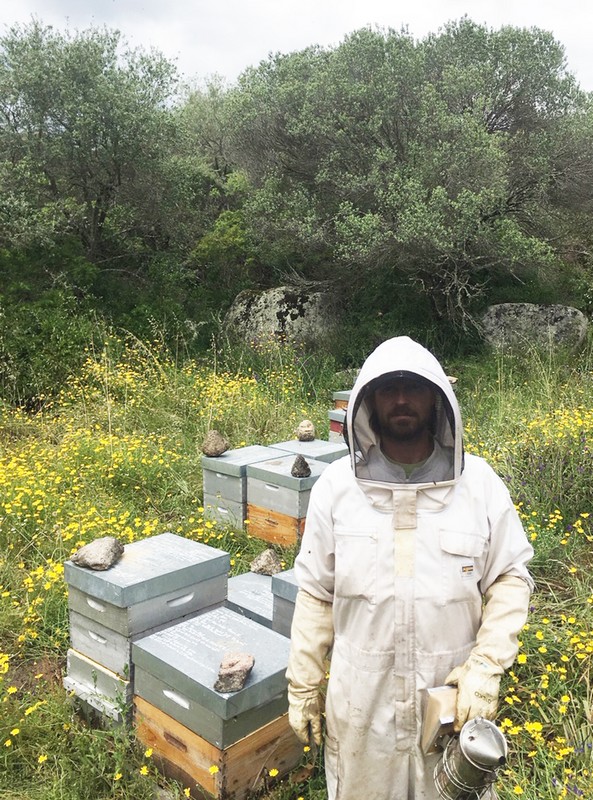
(305,431)
(100,555)
(300,468)
(266,563)
(214,444)
(233,672)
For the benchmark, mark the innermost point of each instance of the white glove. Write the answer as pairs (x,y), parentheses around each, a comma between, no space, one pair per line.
(478,680)
(311,638)
(304,715)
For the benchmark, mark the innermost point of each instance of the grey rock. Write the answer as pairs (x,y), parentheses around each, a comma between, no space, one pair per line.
(214,444)
(233,672)
(300,468)
(302,315)
(518,326)
(100,554)
(266,563)
(305,431)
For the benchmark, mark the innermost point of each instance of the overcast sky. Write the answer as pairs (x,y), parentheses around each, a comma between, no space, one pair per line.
(223,37)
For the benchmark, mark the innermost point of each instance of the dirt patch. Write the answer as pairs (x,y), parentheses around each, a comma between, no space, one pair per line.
(28,674)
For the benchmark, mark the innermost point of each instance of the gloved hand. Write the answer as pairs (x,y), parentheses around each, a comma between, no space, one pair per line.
(304,715)
(311,638)
(478,682)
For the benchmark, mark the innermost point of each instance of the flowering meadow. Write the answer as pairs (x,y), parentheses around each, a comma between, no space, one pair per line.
(117,452)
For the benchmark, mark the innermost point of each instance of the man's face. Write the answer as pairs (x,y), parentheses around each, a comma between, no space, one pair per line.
(403,408)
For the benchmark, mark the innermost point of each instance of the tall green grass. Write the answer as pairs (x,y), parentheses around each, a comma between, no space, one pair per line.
(117,452)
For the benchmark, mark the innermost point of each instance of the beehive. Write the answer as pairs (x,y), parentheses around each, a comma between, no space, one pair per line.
(156,581)
(225,483)
(176,669)
(277,502)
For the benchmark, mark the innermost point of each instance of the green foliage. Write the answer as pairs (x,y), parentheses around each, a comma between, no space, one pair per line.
(435,161)
(45,321)
(97,116)
(222,258)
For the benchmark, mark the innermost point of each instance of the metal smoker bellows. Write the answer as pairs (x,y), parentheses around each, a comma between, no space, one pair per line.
(469,763)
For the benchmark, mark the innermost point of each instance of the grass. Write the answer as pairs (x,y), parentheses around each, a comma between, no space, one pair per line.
(118,452)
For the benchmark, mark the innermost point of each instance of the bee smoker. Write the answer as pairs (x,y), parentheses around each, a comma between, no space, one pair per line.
(470,761)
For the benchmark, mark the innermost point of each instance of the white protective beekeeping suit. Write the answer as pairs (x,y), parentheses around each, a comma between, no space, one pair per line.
(394,571)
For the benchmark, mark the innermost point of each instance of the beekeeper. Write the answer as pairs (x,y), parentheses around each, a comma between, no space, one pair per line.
(412,571)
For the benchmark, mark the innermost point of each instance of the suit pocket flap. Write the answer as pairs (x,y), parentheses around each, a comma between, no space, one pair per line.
(458,543)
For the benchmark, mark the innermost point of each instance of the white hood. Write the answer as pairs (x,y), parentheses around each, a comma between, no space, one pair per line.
(403,355)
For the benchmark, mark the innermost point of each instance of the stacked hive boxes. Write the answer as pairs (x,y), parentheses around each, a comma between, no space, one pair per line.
(277,501)
(337,416)
(192,728)
(156,582)
(225,482)
(255,483)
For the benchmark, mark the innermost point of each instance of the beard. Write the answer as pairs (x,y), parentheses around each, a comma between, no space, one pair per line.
(402,425)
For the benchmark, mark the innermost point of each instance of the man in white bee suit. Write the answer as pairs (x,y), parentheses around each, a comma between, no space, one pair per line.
(412,571)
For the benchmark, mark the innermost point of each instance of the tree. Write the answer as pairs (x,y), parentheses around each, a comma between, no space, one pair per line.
(433,164)
(83,121)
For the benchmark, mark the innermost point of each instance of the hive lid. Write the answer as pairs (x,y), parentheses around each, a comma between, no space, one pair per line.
(187,656)
(320,449)
(277,472)
(234,462)
(253,592)
(148,568)
(284,585)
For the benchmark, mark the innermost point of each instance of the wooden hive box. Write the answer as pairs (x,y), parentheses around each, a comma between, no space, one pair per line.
(225,483)
(284,591)
(241,768)
(341,399)
(250,594)
(176,670)
(277,502)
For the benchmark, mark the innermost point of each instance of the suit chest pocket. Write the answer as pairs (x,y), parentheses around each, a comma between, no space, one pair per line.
(460,554)
(356,564)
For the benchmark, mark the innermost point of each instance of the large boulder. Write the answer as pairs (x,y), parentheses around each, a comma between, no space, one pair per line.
(516,325)
(304,316)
